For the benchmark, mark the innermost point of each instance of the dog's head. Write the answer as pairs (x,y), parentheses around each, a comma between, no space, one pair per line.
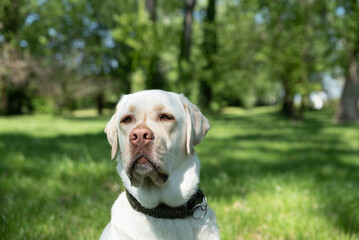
(152,132)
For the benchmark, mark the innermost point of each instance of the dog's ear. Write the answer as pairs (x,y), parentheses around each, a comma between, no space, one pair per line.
(197,125)
(112,134)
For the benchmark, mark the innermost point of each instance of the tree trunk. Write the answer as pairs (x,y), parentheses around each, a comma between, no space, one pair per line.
(154,78)
(303,107)
(348,107)
(151,9)
(288,105)
(3,96)
(210,34)
(13,96)
(205,94)
(187,31)
(16,97)
(184,64)
(11,21)
(209,50)
(100,102)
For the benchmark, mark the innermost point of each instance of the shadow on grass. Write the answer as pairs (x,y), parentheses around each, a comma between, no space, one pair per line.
(49,183)
(265,149)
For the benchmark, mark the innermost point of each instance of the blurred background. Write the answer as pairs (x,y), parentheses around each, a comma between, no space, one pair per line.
(59,56)
(278,81)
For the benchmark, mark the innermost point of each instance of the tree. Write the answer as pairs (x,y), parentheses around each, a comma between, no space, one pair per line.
(186,39)
(345,23)
(184,60)
(15,66)
(295,48)
(154,78)
(209,51)
(242,75)
(348,106)
(230,53)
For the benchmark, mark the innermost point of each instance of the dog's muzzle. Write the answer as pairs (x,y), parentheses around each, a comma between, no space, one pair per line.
(142,164)
(143,168)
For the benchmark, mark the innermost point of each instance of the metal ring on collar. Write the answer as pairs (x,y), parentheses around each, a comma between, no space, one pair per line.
(203,207)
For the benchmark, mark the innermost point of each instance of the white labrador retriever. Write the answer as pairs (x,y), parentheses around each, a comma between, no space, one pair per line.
(152,135)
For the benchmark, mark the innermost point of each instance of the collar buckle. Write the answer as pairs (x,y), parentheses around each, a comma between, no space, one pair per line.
(203,206)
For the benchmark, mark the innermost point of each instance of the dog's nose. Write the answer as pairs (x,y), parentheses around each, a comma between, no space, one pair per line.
(141,136)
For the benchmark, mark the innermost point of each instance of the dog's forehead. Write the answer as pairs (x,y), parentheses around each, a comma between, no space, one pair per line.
(152,100)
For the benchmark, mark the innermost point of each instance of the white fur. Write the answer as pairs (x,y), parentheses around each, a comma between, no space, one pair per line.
(177,158)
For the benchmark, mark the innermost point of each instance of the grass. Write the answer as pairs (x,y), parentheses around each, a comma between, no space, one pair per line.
(265,177)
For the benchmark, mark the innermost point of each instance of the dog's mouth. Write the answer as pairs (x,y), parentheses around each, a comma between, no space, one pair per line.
(143,169)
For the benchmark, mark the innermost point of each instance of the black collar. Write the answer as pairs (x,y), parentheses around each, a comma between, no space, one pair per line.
(198,200)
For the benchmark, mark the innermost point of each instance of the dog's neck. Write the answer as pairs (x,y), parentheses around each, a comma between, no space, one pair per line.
(181,186)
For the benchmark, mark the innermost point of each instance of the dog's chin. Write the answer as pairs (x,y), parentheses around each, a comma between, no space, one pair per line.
(143,172)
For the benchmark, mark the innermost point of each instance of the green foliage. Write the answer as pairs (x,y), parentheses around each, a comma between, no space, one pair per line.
(265,177)
(242,52)
(139,34)
(344,34)
(43,105)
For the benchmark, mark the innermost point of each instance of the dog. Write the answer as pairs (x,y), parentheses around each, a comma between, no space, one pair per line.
(152,136)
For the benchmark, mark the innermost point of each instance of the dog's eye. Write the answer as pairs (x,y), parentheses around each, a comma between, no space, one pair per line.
(166,117)
(126,119)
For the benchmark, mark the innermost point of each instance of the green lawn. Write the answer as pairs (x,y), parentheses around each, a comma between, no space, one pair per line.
(265,177)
